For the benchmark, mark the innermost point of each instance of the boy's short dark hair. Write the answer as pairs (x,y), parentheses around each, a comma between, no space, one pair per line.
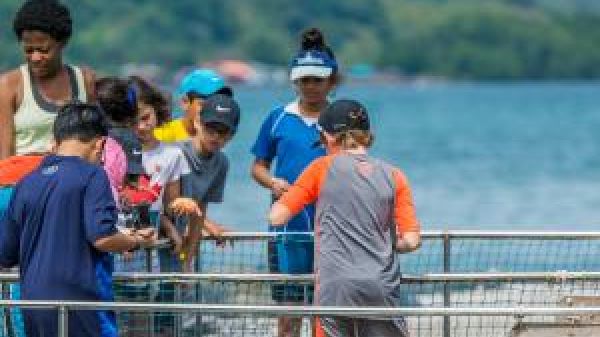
(49,16)
(80,121)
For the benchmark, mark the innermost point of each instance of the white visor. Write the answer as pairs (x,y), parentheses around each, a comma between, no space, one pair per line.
(310,71)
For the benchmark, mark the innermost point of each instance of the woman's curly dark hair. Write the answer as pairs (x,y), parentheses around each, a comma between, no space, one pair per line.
(48,16)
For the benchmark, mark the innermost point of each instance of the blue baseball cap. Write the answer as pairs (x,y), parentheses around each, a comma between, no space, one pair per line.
(203,82)
(312,63)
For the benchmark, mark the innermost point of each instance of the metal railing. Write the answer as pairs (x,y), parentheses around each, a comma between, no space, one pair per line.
(441,252)
(452,269)
(64,308)
(492,291)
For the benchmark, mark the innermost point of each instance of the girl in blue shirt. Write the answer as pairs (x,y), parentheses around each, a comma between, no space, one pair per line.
(288,137)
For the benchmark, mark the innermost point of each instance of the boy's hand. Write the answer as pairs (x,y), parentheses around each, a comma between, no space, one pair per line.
(147,232)
(185,206)
(220,241)
(146,237)
(279,186)
(216,231)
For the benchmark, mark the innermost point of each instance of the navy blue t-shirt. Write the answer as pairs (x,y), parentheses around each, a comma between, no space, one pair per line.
(289,140)
(55,215)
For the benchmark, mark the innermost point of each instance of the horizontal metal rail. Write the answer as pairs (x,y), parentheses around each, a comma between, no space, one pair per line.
(426,235)
(509,276)
(440,234)
(371,312)
(308,278)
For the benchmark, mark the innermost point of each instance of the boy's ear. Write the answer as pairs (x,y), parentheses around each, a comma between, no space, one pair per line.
(196,105)
(95,150)
(197,122)
(99,144)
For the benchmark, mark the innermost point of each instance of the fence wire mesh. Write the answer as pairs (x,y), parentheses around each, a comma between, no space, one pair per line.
(439,254)
(549,292)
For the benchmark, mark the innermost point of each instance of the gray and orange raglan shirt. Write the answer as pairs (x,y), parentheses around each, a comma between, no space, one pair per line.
(363,205)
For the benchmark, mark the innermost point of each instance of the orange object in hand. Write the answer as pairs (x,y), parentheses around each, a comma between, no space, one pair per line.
(13,169)
(185,206)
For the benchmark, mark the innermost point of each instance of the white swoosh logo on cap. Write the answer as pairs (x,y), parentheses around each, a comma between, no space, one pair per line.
(222,109)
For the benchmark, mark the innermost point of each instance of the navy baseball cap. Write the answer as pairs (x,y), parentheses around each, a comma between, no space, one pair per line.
(343,115)
(312,63)
(221,109)
(203,82)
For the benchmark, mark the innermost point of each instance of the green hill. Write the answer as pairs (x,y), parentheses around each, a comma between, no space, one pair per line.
(475,39)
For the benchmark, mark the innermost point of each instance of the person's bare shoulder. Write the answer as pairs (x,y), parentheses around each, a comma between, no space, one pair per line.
(11,83)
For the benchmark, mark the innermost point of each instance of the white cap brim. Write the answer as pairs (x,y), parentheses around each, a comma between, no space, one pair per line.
(309,71)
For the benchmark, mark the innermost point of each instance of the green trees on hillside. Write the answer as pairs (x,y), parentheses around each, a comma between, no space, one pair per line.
(473,39)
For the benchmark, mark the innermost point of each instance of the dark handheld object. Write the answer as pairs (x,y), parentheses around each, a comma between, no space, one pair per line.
(137,216)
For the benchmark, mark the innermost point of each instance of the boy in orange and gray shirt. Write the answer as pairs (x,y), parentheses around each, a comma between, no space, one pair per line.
(365,216)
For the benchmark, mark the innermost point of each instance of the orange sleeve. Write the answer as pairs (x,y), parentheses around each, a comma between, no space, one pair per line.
(307,187)
(404,212)
(13,169)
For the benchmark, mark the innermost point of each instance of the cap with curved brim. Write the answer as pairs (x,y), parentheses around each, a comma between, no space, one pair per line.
(343,115)
(203,82)
(221,109)
(132,147)
(310,71)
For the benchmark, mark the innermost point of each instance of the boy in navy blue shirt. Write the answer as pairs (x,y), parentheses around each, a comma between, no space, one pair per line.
(60,226)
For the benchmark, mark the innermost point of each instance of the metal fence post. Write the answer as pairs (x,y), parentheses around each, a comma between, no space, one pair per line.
(198,294)
(149,261)
(7,322)
(63,321)
(447,247)
(178,316)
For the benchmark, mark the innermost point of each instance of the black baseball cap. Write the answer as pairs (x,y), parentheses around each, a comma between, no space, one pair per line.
(221,109)
(343,115)
(132,148)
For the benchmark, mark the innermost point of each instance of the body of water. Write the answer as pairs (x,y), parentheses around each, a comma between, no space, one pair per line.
(478,156)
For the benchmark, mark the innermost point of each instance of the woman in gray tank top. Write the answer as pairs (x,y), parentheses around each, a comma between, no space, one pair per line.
(31,94)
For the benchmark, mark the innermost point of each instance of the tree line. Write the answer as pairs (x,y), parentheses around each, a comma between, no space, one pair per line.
(462,39)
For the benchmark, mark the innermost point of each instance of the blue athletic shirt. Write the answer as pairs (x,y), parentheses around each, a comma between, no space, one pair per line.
(55,215)
(289,139)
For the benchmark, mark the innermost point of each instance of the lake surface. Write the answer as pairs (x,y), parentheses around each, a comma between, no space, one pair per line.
(479,156)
